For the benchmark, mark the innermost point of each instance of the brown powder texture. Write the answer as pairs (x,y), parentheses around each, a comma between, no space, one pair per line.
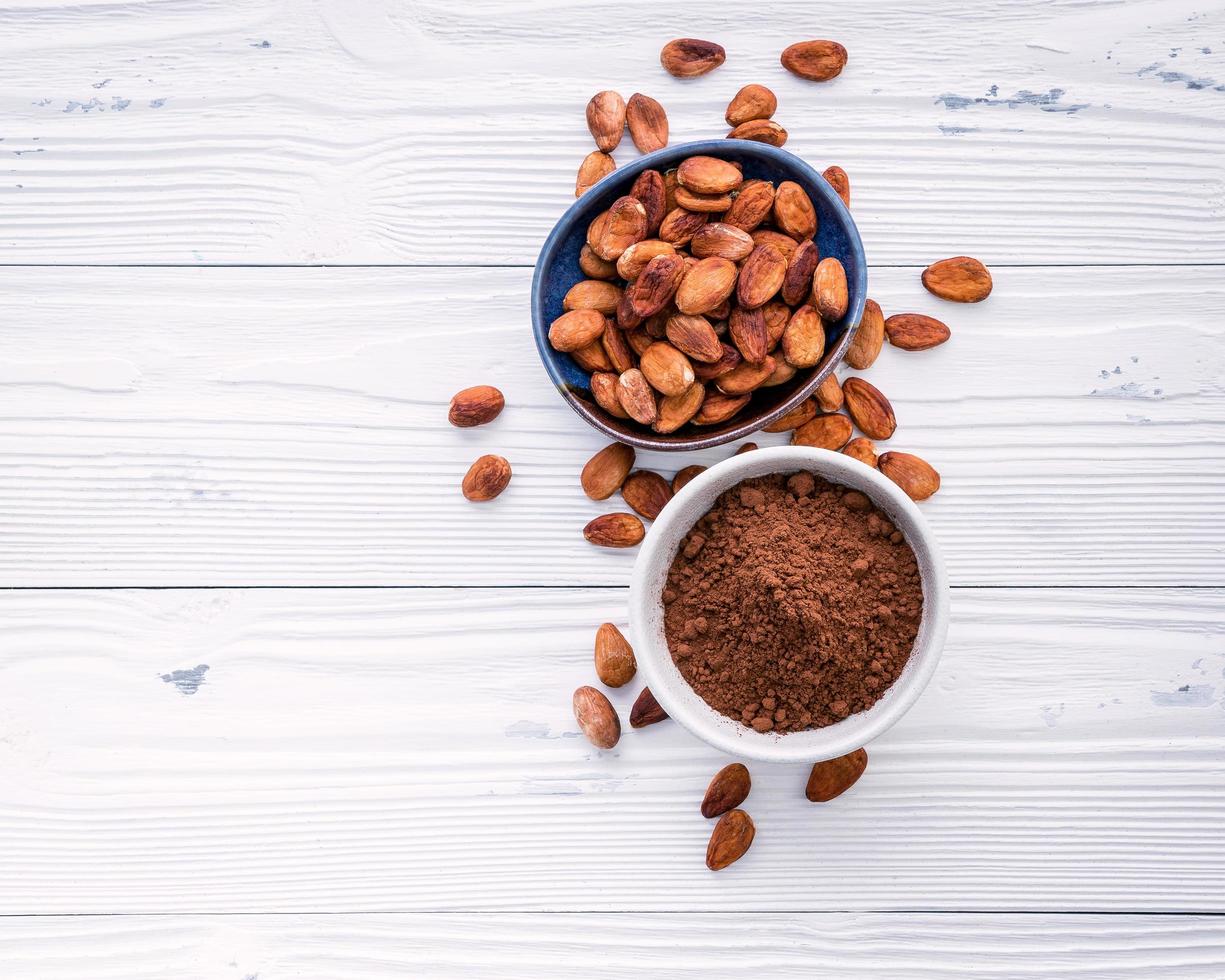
(792,603)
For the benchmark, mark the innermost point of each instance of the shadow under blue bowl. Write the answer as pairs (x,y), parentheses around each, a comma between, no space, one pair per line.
(557,270)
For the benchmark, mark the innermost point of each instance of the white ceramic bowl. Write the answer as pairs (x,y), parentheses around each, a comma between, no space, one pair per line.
(647,613)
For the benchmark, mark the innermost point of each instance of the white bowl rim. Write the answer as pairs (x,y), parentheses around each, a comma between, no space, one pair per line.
(673,692)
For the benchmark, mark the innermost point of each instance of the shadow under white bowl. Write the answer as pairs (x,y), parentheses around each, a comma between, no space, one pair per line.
(671,689)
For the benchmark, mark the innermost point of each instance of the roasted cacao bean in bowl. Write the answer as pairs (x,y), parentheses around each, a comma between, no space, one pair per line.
(557,270)
(647,611)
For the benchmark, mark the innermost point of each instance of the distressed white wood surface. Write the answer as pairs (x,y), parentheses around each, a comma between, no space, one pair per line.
(282,131)
(832,946)
(413,750)
(288,427)
(363,750)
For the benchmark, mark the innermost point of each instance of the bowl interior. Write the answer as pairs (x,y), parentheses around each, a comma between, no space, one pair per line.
(557,270)
(647,613)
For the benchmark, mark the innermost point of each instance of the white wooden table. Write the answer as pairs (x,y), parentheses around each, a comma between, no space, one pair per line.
(276,702)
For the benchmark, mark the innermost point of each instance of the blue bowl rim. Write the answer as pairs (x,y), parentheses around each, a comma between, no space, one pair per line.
(661,160)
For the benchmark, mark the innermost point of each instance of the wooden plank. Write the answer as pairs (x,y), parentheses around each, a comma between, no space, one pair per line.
(388,750)
(203,131)
(285,427)
(829,946)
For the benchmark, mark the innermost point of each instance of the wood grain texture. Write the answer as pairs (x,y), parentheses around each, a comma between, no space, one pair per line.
(290,131)
(413,750)
(227,750)
(288,427)
(830,946)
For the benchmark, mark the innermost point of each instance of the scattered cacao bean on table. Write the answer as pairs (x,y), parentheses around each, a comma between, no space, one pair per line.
(730,840)
(596,717)
(486,478)
(615,664)
(474,406)
(834,777)
(727,790)
(646,710)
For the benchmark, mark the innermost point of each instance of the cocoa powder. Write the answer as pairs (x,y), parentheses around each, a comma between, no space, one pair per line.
(792,604)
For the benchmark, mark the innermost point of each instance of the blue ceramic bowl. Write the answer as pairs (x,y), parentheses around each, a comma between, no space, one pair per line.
(557,270)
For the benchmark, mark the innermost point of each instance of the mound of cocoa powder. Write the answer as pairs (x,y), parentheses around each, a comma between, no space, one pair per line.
(792,603)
